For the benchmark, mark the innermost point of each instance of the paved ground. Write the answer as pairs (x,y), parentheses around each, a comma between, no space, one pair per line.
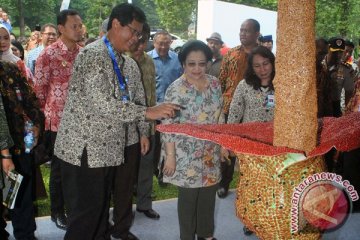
(228,227)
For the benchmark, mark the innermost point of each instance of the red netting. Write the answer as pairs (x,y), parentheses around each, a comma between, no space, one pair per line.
(256,138)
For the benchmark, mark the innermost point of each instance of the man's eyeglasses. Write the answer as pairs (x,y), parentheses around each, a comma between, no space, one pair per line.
(50,34)
(135,32)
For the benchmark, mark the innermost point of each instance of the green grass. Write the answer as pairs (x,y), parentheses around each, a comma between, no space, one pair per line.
(161,193)
(16,31)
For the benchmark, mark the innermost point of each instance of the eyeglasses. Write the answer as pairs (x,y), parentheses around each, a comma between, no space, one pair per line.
(193,64)
(50,34)
(135,32)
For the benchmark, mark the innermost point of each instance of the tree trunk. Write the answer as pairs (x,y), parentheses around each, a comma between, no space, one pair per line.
(21,18)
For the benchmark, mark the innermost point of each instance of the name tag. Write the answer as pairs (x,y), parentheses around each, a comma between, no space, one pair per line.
(270,101)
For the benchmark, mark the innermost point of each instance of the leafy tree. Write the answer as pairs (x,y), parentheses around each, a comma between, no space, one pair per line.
(29,12)
(175,16)
(338,18)
(333,17)
(148,6)
(265,4)
(93,12)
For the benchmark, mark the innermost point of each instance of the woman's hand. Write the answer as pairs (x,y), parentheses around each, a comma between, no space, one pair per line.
(170,165)
(36,132)
(7,165)
(225,155)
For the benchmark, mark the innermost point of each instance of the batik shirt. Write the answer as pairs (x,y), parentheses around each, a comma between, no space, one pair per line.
(94,115)
(137,128)
(52,73)
(354,103)
(232,70)
(20,104)
(197,161)
(147,69)
(5,138)
(250,105)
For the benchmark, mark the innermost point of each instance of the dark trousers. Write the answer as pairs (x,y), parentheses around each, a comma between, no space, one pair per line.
(145,178)
(336,108)
(123,187)
(3,233)
(55,186)
(196,208)
(227,172)
(22,216)
(87,199)
(351,172)
(157,153)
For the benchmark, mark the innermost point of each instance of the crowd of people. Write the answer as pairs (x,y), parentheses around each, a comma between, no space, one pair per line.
(94,104)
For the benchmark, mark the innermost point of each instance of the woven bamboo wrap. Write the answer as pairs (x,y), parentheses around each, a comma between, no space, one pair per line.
(295,119)
(264,194)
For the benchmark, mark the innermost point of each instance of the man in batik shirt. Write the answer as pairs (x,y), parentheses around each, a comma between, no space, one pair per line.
(232,71)
(52,73)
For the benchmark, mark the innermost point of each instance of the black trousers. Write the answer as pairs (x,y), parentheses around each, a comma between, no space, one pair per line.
(87,199)
(157,153)
(55,186)
(3,233)
(336,108)
(145,178)
(227,172)
(123,187)
(196,207)
(22,216)
(351,172)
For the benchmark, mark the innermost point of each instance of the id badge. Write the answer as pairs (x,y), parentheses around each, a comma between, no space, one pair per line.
(270,103)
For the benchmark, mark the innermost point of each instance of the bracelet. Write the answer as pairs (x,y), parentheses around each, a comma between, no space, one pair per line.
(170,154)
(6,156)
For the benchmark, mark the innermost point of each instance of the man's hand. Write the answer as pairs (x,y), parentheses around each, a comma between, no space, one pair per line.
(161,111)
(144,145)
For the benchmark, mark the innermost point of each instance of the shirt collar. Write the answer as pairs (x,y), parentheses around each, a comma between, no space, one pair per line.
(63,47)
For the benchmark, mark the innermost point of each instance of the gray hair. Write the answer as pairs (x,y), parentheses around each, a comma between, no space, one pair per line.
(104,25)
(161,32)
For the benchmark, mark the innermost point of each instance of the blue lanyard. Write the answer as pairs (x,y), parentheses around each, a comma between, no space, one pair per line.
(122,83)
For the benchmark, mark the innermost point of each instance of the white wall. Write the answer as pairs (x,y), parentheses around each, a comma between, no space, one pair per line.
(226,18)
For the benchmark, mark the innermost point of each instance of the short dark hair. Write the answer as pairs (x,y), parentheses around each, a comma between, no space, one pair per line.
(125,13)
(18,45)
(250,76)
(62,16)
(194,45)
(255,23)
(145,32)
(349,43)
(46,26)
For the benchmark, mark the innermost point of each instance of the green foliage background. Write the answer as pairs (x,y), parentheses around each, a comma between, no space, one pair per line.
(333,17)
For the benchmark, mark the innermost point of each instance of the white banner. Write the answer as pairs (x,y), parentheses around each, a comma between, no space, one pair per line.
(64,5)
